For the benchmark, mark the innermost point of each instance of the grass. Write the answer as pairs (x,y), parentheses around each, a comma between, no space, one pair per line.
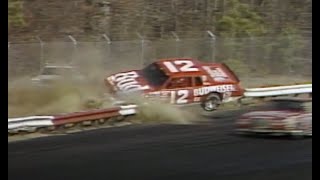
(15,13)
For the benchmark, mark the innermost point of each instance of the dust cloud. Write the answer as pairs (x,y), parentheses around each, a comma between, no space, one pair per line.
(156,110)
(25,99)
(65,95)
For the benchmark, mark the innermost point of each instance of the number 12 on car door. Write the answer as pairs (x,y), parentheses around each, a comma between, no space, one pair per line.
(181,96)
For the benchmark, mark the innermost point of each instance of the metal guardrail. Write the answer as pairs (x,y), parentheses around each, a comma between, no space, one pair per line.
(278,91)
(280,87)
(34,122)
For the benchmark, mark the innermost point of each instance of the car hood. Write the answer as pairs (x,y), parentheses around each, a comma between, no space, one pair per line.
(270,114)
(128,81)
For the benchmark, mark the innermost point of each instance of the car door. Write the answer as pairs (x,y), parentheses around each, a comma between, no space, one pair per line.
(181,90)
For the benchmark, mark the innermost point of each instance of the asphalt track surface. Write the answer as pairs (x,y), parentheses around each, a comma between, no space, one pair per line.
(209,150)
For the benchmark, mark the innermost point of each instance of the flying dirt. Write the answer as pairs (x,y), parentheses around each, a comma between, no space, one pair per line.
(158,111)
(64,96)
(25,98)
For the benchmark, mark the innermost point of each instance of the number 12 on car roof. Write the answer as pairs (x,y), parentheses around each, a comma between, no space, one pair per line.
(180,66)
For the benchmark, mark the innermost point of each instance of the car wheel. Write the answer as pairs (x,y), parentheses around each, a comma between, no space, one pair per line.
(211,102)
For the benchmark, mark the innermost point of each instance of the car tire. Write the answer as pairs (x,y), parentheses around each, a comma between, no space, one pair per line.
(211,102)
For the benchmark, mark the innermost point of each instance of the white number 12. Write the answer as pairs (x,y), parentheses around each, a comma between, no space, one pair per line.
(181,96)
(187,66)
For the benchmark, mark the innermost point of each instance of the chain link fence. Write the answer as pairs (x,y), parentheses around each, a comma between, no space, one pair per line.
(257,56)
(265,56)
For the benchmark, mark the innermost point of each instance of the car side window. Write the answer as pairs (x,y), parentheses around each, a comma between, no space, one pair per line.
(181,82)
(198,81)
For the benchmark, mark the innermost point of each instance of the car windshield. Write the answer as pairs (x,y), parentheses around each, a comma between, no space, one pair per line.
(154,75)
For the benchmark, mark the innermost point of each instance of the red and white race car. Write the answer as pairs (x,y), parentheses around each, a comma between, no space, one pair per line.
(283,116)
(180,81)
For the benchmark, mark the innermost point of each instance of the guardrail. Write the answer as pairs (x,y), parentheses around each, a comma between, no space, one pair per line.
(278,91)
(33,123)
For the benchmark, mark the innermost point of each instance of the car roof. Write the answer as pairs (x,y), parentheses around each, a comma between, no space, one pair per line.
(196,62)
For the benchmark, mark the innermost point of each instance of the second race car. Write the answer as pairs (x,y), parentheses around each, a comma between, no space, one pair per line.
(282,116)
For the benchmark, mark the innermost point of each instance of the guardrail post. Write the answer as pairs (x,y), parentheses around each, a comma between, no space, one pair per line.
(252,50)
(142,49)
(213,39)
(41,63)
(177,43)
(106,38)
(8,55)
(75,43)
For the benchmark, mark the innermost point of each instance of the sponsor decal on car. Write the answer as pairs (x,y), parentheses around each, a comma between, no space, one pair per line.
(219,88)
(127,81)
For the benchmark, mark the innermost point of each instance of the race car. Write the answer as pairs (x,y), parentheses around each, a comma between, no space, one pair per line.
(180,81)
(280,116)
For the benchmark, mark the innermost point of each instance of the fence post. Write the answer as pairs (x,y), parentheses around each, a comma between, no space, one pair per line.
(109,46)
(213,39)
(142,49)
(75,43)
(8,58)
(252,50)
(177,43)
(41,52)
(106,38)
